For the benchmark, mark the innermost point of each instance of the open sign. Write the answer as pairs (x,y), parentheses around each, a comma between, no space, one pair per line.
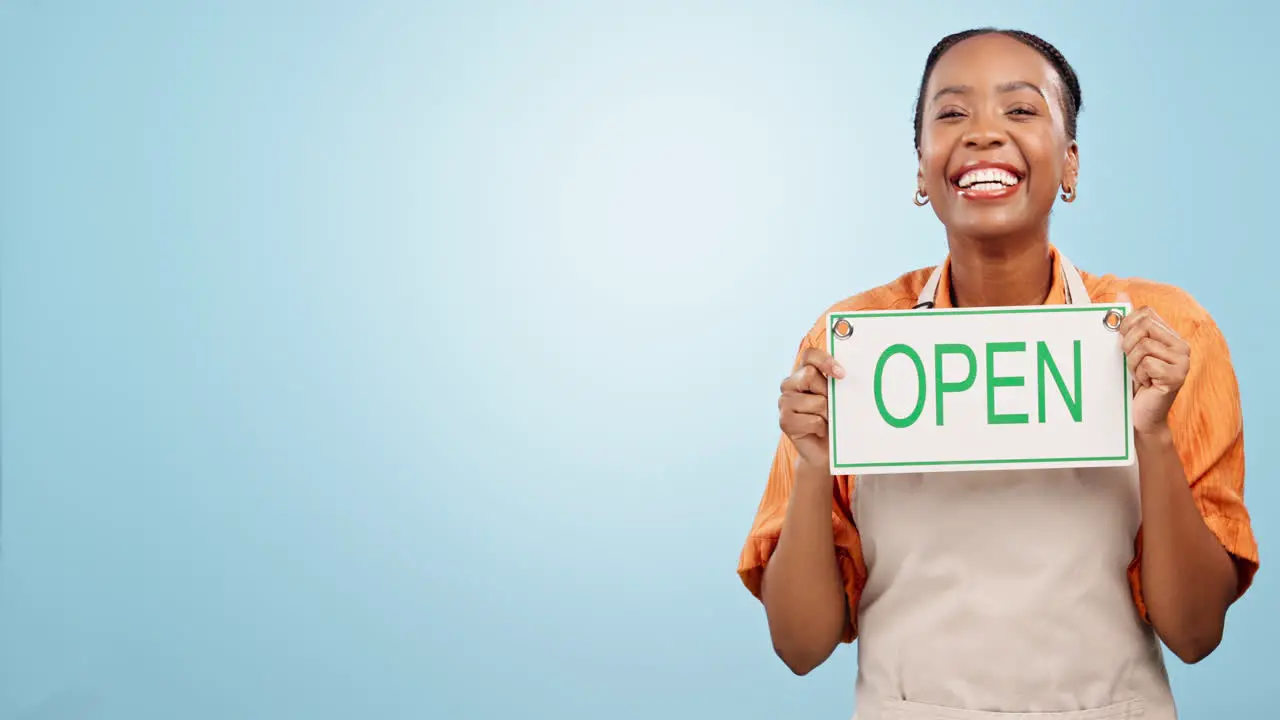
(969,389)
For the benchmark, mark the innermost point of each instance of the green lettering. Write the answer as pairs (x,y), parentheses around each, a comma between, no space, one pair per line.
(1043,360)
(910,419)
(994,381)
(945,387)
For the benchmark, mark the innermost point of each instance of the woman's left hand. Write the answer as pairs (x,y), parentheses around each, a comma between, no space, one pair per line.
(1159,360)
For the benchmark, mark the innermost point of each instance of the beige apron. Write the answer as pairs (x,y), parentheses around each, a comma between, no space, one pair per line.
(1004,595)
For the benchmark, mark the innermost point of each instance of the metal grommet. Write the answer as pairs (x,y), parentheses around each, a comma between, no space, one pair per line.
(843,329)
(1112,319)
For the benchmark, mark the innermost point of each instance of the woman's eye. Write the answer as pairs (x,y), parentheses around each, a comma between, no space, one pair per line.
(949,114)
(1022,111)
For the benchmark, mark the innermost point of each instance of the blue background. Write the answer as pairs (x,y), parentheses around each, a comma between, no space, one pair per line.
(397,360)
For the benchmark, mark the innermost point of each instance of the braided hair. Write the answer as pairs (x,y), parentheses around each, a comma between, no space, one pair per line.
(1071,100)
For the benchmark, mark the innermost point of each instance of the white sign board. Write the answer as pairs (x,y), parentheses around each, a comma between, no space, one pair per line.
(979,389)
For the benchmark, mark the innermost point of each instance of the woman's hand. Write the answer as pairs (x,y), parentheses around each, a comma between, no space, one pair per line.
(1159,360)
(802,407)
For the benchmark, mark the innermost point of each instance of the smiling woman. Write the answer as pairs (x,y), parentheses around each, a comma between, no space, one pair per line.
(996,135)
(978,594)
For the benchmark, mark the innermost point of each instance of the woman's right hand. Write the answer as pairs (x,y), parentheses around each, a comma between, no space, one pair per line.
(802,407)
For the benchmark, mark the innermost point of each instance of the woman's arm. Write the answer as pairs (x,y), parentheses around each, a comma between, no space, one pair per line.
(802,589)
(1189,580)
(1188,577)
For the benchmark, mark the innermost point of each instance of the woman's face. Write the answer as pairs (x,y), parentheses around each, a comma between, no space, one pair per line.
(993,145)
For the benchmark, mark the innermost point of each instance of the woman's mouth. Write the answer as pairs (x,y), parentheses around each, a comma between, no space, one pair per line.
(987,181)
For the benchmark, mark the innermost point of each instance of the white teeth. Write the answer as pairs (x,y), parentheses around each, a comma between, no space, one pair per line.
(988,176)
(987,186)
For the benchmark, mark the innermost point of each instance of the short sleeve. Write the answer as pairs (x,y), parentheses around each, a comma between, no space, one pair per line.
(767,528)
(1208,432)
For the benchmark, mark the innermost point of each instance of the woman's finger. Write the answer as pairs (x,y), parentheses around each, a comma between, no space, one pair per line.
(806,379)
(1159,372)
(798,425)
(804,404)
(823,362)
(1151,347)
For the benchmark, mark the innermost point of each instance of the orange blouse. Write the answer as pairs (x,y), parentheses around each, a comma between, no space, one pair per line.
(1205,419)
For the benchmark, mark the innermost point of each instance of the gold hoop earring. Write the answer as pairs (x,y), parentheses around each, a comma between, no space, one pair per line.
(920,199)
(1070,194)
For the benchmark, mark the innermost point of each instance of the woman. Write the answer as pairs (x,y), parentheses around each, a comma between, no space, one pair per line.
(974,595)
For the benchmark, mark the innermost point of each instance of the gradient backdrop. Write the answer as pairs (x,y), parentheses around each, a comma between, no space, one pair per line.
(405,360)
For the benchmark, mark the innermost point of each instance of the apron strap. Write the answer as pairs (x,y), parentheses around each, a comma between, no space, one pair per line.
(1072,282)
(930,291)
(1076,292)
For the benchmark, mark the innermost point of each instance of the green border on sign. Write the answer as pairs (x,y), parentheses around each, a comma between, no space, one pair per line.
(831,344)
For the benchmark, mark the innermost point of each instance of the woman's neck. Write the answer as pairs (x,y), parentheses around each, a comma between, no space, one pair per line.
(987,273)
